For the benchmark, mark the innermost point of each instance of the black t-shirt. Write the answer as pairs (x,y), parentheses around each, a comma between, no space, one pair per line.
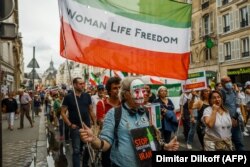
(11,104)
(152,98)
(83,102)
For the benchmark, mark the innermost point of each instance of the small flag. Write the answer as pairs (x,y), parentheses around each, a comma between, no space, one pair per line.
(155,114)
(120,74)
(156,80)
(93,79)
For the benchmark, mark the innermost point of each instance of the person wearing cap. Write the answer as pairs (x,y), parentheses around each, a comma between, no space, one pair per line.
(25,101)
(98,96)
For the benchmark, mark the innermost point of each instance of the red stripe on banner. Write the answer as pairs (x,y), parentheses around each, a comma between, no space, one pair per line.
(105,54)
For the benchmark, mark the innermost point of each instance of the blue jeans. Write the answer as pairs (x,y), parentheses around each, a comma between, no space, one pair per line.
(237,138)
(77,146)
(192,130)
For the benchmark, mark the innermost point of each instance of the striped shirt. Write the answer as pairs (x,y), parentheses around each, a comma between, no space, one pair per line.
(25,98)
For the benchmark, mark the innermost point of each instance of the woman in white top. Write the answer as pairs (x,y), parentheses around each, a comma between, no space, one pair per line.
(218,125)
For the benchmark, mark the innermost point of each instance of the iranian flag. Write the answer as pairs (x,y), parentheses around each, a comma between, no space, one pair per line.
(120,74)
(150,37)
(106,76)
(93,79)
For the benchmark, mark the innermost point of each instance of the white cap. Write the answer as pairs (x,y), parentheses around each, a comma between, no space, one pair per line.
(247,84)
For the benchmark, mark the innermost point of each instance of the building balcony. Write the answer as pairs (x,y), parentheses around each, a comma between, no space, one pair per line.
(205,5)
(226,28)
(245,54)
(228,57)
(243,23)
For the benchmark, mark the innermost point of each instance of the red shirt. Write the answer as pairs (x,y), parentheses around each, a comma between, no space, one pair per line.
(102,107)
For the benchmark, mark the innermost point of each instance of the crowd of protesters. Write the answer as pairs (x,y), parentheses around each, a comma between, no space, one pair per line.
(219,116)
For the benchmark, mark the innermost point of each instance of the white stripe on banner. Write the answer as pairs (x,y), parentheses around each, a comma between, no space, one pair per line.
(104,25)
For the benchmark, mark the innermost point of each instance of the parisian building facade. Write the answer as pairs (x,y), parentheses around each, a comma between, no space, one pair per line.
(220,39)
(11,55)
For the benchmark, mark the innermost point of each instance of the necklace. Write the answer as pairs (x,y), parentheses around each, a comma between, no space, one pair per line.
(221,112)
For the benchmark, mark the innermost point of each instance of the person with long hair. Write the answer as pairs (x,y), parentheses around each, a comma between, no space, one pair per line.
(200,105)
(218,125)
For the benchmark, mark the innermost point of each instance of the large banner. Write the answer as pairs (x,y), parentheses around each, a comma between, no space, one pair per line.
(150,37)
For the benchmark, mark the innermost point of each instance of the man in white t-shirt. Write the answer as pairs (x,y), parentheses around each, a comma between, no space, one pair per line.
(97,97)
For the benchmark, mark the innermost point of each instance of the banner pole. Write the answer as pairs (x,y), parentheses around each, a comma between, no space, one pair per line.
(77,106)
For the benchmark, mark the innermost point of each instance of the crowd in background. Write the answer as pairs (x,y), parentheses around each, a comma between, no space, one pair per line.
(219,115)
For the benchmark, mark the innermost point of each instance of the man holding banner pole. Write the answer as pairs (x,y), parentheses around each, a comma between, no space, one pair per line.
(74,121)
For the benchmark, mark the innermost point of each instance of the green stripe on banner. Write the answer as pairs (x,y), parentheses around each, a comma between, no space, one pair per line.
(162,12)
(174,90)
(158,116)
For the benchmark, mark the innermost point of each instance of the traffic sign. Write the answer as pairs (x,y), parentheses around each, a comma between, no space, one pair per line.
(33,64)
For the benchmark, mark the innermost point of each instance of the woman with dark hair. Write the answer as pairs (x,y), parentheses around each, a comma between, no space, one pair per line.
(218,86)
(218,125)
(200,105)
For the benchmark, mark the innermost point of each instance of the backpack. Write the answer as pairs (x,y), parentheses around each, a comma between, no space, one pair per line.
(117,116)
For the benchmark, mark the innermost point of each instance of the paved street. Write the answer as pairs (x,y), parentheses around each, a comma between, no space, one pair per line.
(61,154)
(19,146)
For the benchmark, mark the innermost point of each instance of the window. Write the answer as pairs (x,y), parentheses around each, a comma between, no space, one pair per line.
(224,2)
(206,24)
(226,24)
(243,17)
(227,51)
(245,47)
(204,4)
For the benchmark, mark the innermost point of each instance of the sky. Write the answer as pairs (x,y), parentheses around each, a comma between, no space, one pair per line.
(39,24)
